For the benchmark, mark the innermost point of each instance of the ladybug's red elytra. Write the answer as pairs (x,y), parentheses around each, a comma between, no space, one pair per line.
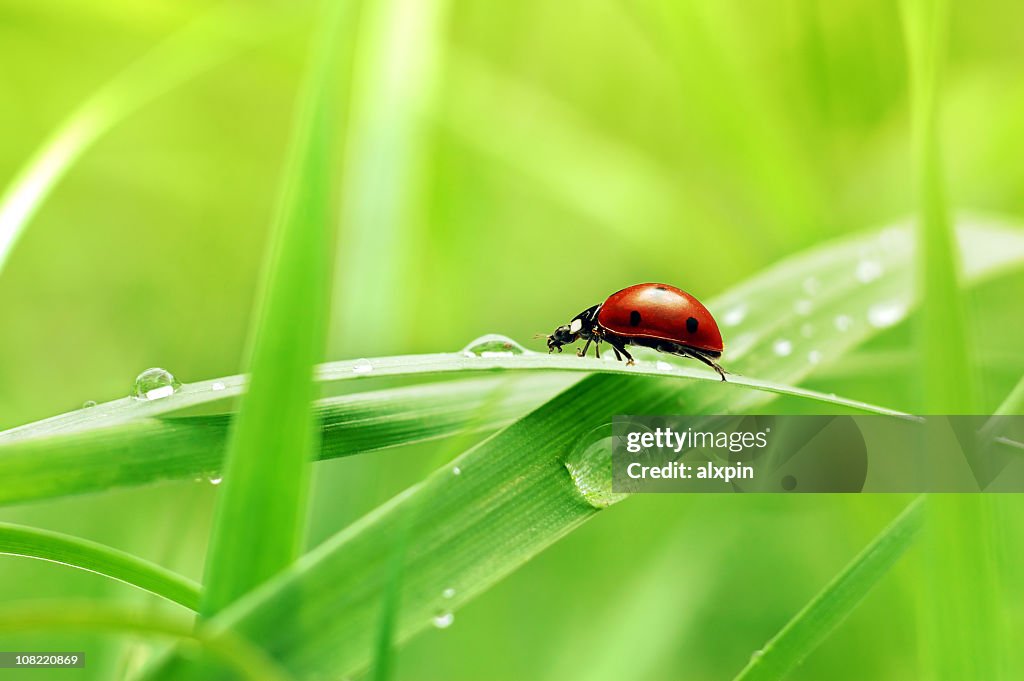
(656,316)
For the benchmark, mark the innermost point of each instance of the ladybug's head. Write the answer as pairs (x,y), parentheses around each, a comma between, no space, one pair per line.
(563,335)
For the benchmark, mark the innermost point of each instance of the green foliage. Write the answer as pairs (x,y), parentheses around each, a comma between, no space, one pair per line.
(259,527)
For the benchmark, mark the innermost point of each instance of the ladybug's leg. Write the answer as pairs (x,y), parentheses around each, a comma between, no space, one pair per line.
(583,352)
(597,348)
(707,360)
(617,355)
(621,347)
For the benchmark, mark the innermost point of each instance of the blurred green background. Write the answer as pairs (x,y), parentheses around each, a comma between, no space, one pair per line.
(505,165)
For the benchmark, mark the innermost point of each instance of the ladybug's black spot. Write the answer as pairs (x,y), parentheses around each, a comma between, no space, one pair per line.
(691,324)
(634,318)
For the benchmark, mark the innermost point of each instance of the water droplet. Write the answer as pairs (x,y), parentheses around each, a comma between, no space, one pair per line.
(590,467)
(814,356)
(362,366)
(756,654)
(886,314)
(811,286)
(448,593)
(843,322)
(803,307)
(217,386)
(443,620)
(868,270)
(735,316)
(782,347)
(663,366)
(807,330)
(154,384)
(493,345)
(215,480)
(88,403)
(456,470)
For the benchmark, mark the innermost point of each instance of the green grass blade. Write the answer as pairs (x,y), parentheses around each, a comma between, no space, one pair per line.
(189,447)
(1014,402)
(260,516)
(238,654)
(55,547)
(835,602)
(383,194)
(942,333)
(197,48)
(515,496)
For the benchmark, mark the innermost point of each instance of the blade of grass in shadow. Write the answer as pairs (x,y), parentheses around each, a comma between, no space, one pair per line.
(942,339)
(189,447)
(528,485)
(835,602)
(55,547)
(238,654)
(198,47)
(260,515)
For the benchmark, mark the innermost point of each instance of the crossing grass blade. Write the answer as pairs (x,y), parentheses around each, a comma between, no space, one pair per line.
(515,495)
(55,547)
(260,515)
(237,654)
(813,624)
(113,453)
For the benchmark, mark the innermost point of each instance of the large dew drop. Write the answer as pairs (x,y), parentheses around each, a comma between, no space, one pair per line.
(590,467)
(783,347)
(154,384)
(493,345)
(362,366)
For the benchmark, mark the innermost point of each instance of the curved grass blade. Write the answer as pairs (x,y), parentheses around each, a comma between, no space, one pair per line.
(55,547)
(835,602)
(185,448)
(197,48)
(259,520)
(514,496)
(238,654)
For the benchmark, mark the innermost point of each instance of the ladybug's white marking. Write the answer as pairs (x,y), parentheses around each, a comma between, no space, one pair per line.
(575,326)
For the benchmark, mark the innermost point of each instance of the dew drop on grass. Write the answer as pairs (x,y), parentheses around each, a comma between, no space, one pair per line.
(735,316)
(811,286)
(493,345)
(88,403)
(456,470)
(843,322)
(362,366)
(782,347)
(215,480)
(868,270)
(154,384)
(813,357)
(448,593)
(217,386)
(803,307)
(886,314)
(590,467)
(663,366)
(443,620)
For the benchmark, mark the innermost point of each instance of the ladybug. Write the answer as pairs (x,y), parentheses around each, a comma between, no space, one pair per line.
(656,316)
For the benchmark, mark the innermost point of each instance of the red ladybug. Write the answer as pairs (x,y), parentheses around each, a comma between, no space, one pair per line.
(656,316)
